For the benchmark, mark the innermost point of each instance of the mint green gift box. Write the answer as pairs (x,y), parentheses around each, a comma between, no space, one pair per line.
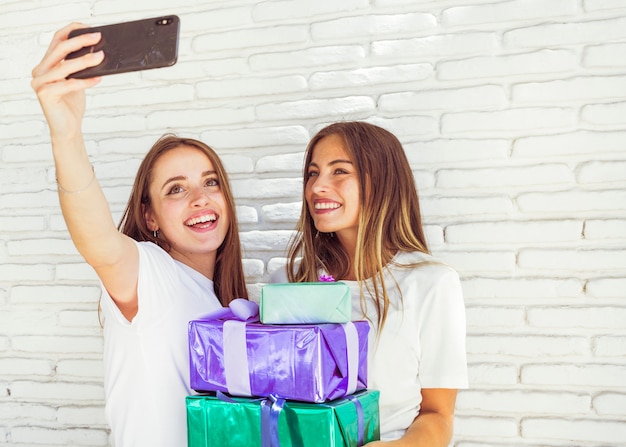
(305,303)
(237,421)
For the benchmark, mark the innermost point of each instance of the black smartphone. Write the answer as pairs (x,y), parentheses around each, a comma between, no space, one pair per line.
(131,46)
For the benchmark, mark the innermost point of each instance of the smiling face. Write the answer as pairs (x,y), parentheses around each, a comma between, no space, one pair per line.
(332,190)
(188,207)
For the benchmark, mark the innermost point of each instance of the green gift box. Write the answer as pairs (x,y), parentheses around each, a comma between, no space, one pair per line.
(305,303)
(236,421)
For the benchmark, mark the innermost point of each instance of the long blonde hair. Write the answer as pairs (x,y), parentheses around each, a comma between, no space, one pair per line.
(389,217)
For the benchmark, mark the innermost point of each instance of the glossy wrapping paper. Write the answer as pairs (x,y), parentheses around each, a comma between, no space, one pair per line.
(305,303)
(212,421)
(309,363)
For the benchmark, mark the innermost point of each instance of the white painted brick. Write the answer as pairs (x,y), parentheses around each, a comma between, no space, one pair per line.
(270,135)
(531,346)
(247,215)
(57,391)
(21,272)
(610,404)
(339,108)
(165,94)
(502,177)
(283,163)
(509,232)
(508,121)
(494,317)
(78,318)
(267,188)
(488,96)
(10,411)
(606,287)
(521,288)
(553,34)
(609,346)
(88,416)
(484,428)
(22,129)
(582,430)
(465,206)
(440,45)
(339,56)
(26,152)
(596,5)
(282,212)
(492,374)
(60,344)
(83,368)
(524,401)
(107,124)
(45,15)
(247,38)
(573,260)
(434,235)
(41,246)
(237,164)
(479,262)
(245,87)
(577,142)
(602,172)
(596,87)
(288,9)
(570,201)
(253,268)
(594,376)
(605,55)
(604,113)
(450,152)
(541,61)
(265,240)
(69,436)
(508,11)
(370,76)
(605,229)
(22,367)
(408,127)
(606,318)
(199,118)
(10,224)
(373,25)
(76,272)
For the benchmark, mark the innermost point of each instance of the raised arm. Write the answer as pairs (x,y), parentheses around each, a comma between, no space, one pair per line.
(113,255)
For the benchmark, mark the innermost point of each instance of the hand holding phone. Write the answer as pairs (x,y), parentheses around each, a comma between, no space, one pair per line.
(131,46)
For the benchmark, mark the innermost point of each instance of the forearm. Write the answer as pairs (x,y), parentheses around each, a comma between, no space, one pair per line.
(84,206)
(429,429)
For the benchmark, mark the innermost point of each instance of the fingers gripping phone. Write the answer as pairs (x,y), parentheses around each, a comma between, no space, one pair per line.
(131,46)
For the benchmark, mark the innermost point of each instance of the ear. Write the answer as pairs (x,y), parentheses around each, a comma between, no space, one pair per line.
(148,215)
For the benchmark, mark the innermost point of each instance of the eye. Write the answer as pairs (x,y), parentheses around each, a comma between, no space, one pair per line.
(212,182)
(312,174)
(175,189)
(340,171)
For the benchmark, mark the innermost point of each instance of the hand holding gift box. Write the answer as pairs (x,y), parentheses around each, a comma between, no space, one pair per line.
(310,363)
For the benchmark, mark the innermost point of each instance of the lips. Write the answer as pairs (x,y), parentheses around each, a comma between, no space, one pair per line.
(326,205)
(202,219)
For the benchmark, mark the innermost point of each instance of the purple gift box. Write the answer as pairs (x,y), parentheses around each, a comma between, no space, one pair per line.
(308,362)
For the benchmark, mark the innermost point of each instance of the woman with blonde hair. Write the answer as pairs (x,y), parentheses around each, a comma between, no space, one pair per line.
(361,224)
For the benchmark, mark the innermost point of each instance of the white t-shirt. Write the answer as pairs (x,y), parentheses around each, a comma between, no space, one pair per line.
(422,344)
(146,361)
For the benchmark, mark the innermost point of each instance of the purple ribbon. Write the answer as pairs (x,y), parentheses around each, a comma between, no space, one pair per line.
(359,419)
(238,309)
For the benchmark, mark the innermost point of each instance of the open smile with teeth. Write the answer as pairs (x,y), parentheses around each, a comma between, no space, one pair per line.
(327,205)
(200,220)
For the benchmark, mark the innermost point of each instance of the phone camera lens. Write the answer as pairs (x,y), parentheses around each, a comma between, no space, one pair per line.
(165,21)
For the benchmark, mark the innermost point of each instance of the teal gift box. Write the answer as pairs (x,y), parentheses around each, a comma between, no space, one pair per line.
(222,421)
(305,303)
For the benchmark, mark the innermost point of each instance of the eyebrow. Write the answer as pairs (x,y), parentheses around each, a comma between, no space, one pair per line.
(182,177)
(334,162)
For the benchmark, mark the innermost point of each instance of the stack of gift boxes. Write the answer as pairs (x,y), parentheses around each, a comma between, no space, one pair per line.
(291,371)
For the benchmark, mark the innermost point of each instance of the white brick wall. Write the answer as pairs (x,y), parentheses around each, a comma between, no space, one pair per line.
(513,115)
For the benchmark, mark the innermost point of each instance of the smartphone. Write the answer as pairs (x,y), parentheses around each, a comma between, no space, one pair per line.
(131,46)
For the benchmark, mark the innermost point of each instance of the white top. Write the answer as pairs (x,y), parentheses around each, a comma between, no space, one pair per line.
(146,361)
(422,344)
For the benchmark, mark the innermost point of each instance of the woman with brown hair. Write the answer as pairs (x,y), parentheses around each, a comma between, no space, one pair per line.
(361,224)
(175,252)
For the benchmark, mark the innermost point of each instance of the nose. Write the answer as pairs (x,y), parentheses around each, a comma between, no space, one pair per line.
(318,184)
(199,196)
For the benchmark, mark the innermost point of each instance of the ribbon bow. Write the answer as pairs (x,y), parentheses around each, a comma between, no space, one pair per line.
(238,309)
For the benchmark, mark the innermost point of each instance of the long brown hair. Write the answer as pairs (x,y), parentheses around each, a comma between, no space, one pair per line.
(389,217)
(228,278)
